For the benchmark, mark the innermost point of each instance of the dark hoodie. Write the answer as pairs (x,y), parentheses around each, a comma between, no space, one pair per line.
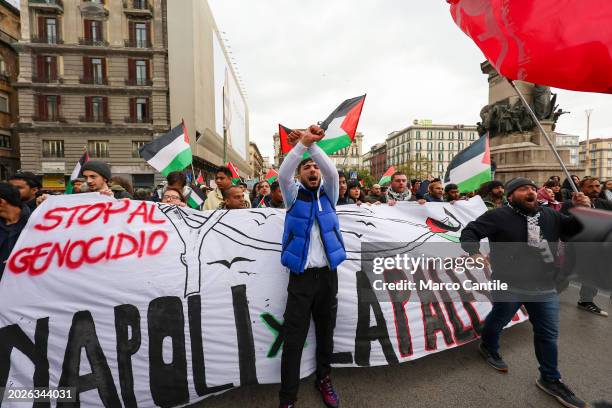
(9,235)
(566,190)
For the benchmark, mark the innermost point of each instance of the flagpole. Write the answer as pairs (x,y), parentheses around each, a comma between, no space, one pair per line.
(548,140)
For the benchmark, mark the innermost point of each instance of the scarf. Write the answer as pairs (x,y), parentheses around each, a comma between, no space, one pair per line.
(534,234)
(405,196)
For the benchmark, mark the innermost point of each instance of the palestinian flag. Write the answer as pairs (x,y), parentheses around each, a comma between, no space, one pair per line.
(386,178)
(77,171)
(234,170)
(271,176)
(340,127)
(200,179)
(196,198)
(471,167)
(283,132)
(262,203)
(169,153)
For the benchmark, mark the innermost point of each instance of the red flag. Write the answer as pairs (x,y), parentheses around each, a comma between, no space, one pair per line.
(283,132)
(560,43)
(234,170)
(271,176)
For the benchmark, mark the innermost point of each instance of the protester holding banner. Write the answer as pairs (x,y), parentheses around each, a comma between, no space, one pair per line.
(312,250)
(223,180)
(451,193)
(342,189)
(376,195)
(262,200)
(355,195)
(529,270)
(399,190)
(494,194)
(121,188)
(28,185)
(13,218)
(178,180)
(174,196)
(97,175)
(435,192)
(233,199)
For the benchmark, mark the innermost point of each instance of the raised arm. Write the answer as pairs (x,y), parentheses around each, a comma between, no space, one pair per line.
(329,174)
(286,172)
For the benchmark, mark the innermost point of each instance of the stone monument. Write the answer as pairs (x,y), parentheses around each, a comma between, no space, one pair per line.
(518,148)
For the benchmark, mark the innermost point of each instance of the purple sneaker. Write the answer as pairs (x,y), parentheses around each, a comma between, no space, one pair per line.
(325,387)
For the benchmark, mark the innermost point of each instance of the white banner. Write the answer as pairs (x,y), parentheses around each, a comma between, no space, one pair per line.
(142,304)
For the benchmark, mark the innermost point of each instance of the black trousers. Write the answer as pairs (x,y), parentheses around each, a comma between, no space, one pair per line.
(311,293)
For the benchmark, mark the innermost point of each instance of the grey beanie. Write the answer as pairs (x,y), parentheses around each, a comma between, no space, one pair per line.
(516,183)
(98,167)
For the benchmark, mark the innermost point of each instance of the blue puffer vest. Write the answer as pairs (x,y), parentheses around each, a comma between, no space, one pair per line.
(298,225)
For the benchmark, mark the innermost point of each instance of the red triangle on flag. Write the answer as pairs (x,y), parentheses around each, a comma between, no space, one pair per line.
(351,121)
(487,156)
(283,132)
(234,170)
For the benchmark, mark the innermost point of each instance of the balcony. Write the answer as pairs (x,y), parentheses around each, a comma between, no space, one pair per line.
(46,80)
(138,44)
(91,119)
(139,82)
(138,120)
(47,40)
(93,43)
(138,8)
(55,119)
(52,6)
(93,81)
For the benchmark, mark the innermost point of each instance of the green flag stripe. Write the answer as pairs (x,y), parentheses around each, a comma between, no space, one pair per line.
(473,183)
(330,146)
(182,160)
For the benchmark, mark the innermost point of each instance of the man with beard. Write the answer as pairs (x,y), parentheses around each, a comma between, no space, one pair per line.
(591,187)
(399,190)
(495,197)
(312,250)
(28,185)
(520,235)
(376,195)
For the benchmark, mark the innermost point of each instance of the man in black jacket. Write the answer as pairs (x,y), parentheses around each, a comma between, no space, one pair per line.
(13,218)
(522,237)
(590,187)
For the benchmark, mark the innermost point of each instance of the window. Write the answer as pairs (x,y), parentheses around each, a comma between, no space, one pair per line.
(97,75)
(430,134)
(95,31)
(97,109)
(429,145)
(48,107)
(140,4)
(450,156)
(418,145)
(46,68)
(451,135)
(141,35)
(51,30)
(440,135)
(460,145)
(2,66)
(136,146)
(440,156)
(5,140)
(141,109)
(429,156)
(472,137)
(451,146)
(4,102)
(418,134)
(97,148)
(460,135)
(440,168)
(440,146)
(53,148)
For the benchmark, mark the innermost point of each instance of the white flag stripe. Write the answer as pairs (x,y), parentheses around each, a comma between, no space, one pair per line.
(76,172)
(165,156)
(334,129)
(468,169)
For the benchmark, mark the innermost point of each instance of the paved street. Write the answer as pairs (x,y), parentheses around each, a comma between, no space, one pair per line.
(459,378)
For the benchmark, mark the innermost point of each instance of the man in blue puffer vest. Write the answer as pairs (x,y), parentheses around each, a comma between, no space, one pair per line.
(312,250)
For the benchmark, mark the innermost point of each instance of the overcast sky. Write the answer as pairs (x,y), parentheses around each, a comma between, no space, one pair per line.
(299,59)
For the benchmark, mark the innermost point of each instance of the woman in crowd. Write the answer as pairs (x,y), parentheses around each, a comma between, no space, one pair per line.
(263,197)
(566,187)
(173,196)
(546,197)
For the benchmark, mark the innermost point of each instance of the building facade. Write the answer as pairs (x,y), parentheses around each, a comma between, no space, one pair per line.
(570,142)
(10,31)
(345,159)
(93,75)
(255,161)
(378,161)
(428,148)
(598,163)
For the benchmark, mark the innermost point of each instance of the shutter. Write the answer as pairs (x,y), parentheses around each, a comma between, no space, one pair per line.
(53,68)
(131,69)
(132,33)
(104,70)
(148,25)
(88,111)
(41,108)
(41,28)
(105,108)
(87,74)
(148,69)
(147,114)
(87,31)
(133,109)
(40,66)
